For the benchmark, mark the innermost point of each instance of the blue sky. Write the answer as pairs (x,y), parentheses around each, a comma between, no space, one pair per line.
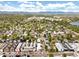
(40,6)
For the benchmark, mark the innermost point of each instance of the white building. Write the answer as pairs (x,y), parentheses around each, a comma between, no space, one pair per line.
(39,46)
(59,46)
(75,46)
(18,47)
(38,40)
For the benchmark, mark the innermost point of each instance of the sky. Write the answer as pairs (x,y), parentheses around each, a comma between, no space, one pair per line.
(40,6)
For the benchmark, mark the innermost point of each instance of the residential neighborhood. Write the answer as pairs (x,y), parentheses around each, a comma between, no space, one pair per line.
(38,36)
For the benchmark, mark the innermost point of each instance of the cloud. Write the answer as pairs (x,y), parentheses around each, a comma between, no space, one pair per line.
(32,7)
(41,7)
(58,5)
(65,7)
(6,7)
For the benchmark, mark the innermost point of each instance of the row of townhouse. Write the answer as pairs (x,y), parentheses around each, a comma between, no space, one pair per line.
(66,46)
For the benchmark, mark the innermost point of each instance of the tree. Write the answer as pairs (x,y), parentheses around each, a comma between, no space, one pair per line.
(4,36)
(69,36)
(51,55)
(14,36)
(49,37)
(46,48)
(56,50)
(64,55)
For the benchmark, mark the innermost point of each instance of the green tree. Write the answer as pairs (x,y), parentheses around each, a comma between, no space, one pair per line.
(14,36)
(64,55)
(46,48)
(4,36)
(49,37)
(51,55)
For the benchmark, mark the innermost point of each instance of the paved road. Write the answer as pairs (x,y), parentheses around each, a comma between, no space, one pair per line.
(41,54)
(74,54)
(32,54)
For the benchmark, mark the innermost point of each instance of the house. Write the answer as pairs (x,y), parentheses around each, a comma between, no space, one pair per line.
(2,46)
(39,47)
(59,46)
(75,46)
(65,46)
(30,47)
(18,48)
(38,40)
